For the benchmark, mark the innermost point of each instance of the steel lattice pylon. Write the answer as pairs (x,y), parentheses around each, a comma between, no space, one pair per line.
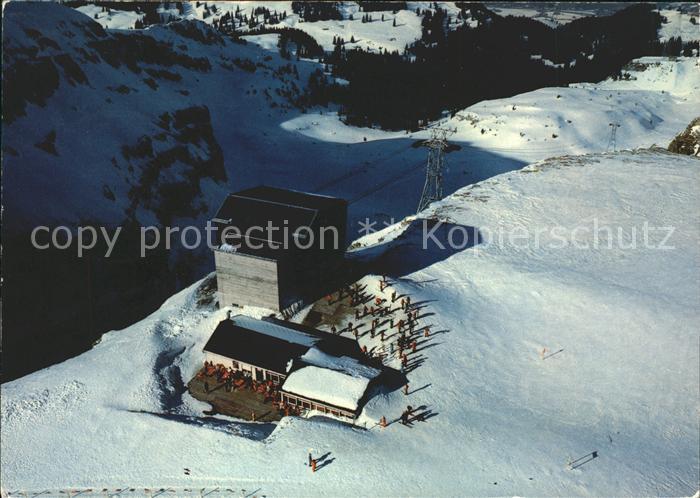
(432,190)
(612,143)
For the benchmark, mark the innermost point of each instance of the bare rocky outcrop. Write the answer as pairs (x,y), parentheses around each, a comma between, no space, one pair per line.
(688,142)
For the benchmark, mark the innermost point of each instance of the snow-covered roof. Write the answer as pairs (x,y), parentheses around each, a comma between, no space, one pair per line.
(344,364)
(227,248)
(327,386)
(277,331)
(337,380)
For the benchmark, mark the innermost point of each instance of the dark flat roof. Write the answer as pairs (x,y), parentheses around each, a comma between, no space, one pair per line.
(291,197)
(272,343)
(239,343)
(285,211)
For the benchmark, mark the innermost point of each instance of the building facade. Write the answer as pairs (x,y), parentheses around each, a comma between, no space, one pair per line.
(277,266)
(313,370)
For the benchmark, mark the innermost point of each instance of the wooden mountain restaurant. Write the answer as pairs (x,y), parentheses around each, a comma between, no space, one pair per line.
(313,370)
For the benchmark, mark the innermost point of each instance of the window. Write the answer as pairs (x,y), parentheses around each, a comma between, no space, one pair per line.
(292,401)
(236,366)
(306,404)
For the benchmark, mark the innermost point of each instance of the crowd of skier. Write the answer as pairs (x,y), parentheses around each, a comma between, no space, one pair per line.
(233,380)
(386,315)
(386,318)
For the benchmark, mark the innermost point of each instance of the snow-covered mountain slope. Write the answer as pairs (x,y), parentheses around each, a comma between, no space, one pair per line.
(620,376)
(392,29)
(388,30)
(111,19)
(393,33)
(94,95)
(679,76)
(101,100)
(139,109)
(659,97)
(108,132)
(680,24)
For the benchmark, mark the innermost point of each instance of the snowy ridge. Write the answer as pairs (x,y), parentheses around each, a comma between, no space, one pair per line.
(338,159)
(114,19)
(678,76)
(678,24)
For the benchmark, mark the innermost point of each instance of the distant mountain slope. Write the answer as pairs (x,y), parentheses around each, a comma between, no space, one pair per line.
(80,99)
(679,23)
(125,128)
(656,98)
(617,390)
(688,142)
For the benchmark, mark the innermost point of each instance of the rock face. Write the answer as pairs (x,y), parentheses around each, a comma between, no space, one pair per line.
(115,102)
(184,142)
(688,142)
(97,130)
(121,127)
